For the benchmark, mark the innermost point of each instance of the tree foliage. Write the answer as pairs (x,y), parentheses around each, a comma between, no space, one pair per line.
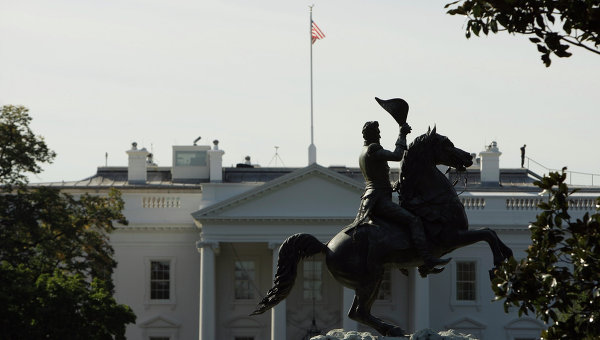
(56,263)
(21,151)
(553,25)
(559,280)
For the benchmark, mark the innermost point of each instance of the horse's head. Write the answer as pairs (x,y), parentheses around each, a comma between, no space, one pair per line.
(446,153)
(425,152)
(432,149)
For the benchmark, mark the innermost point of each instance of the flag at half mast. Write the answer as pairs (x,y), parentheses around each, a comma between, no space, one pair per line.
(316,32)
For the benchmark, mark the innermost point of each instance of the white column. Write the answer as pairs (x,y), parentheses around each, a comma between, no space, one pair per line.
(419,305)
(278,313)
(347,299)
(208,309)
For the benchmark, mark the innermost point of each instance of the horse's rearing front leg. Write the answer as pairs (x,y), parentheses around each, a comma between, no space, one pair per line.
(468,237)
(506,251)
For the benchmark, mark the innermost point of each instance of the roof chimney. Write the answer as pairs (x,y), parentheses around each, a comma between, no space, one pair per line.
(136,170)
(490,165)
(215,160)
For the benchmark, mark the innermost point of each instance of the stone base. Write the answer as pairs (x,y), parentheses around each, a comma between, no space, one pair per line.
(424,334)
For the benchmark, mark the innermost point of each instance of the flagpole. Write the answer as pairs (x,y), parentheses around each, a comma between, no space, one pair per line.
(312,149)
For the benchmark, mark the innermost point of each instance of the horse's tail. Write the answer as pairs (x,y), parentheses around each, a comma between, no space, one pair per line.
(294,249)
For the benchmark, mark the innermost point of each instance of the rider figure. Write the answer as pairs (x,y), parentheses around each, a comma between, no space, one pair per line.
(377,199)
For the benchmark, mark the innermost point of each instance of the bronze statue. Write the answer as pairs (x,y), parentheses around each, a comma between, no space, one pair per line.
(357,254)
(377,199)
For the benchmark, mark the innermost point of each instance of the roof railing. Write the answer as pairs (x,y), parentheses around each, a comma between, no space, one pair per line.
(581,178)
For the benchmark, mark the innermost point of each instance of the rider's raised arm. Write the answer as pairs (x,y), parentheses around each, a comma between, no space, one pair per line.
(398,152)
(395,155)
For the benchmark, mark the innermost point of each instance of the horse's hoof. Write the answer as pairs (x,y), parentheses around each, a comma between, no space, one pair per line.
(397,332)
(424,271)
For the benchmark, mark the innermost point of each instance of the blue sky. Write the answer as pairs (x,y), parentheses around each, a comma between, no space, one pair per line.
(98,75)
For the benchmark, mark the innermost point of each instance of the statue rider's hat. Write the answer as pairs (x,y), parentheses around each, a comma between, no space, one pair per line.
(397,107)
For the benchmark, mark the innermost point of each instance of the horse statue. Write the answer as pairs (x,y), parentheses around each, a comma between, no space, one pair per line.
(356,256)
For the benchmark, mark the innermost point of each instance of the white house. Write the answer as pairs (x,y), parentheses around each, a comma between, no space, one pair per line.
(202,243)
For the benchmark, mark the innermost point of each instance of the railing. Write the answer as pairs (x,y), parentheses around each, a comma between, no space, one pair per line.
(473,202)
(582,204)
(160,202)
(518,203)
(522,203)
(582,178)
(532,203)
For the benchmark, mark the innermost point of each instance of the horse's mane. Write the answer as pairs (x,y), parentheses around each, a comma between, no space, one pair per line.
(411,161)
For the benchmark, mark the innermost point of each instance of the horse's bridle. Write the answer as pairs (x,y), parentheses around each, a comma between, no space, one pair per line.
(459,170)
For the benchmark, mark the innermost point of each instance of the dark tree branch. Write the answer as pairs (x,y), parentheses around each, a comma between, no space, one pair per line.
(577,43)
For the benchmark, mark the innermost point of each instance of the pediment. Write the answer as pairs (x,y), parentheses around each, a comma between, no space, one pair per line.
(310,192)
(159,322)
(243,322)
(465,323)
(525,323)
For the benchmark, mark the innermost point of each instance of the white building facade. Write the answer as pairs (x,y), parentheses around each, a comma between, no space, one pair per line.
(202,243)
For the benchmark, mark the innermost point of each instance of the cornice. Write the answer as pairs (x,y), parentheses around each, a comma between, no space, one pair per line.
(157,227)
(272,219)
(501,227)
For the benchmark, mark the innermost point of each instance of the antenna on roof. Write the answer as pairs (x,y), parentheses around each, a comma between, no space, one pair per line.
(106,159)
(276,157)
(196,140)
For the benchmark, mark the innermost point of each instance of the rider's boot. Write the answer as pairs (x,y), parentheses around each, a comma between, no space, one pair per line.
(419,239)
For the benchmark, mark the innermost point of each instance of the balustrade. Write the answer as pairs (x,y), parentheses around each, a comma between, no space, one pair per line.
(160,202)
(473,202)
(515,203)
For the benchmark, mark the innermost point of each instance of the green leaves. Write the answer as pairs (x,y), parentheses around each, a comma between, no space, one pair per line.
(558,279)
(20,150)
(56,263)
(558,24)
(58,305)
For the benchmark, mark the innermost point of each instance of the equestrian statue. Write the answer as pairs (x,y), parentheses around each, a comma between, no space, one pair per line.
(429,222)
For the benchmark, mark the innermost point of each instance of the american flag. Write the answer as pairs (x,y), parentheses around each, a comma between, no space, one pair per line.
(316,33)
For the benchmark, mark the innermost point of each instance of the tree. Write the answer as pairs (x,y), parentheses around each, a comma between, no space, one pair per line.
(559,280)
(56,263)
(553,25)
(20,150)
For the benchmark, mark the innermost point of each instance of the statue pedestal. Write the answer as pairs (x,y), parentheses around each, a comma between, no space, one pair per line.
(424,334)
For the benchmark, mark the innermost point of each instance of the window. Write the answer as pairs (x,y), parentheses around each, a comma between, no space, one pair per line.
(244,278)
(313,280)
(385,289)
(190,158)
(244,338)
(466,281)
(160,282)
(160,338)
